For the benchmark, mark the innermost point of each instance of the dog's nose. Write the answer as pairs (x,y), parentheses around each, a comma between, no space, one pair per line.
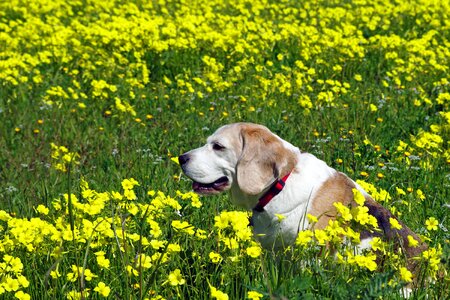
(184,158)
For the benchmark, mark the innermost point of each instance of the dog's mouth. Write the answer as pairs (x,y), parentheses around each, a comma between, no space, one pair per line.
(211,188)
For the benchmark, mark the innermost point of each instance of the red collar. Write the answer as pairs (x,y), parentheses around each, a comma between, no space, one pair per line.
(276,188)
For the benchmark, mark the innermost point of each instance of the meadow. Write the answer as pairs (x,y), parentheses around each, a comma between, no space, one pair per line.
(98,98)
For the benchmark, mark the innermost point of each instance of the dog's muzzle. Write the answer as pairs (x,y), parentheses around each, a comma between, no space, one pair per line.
(214,187)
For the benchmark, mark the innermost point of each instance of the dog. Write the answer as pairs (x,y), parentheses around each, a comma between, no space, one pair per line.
(271,177)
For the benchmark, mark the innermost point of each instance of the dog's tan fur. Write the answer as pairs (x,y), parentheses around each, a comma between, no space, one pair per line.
(339,189)
(263,159)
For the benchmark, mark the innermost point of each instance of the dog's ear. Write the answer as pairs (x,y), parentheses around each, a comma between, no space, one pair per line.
(263,159)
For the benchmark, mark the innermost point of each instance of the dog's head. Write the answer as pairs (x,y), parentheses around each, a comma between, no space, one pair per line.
(243,156)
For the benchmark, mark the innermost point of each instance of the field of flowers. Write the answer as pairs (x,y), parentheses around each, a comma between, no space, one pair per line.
(97,98)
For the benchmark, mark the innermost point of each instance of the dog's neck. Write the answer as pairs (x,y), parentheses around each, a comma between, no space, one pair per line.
(243,200)
(274,190)
(259,201)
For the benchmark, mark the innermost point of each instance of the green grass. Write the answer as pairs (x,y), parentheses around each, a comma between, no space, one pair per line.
(184,69)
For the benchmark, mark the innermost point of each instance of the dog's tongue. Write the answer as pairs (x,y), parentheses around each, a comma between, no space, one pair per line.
(220,182)
(215,186)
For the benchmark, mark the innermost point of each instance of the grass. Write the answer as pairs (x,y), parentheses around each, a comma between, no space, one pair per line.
(126,86)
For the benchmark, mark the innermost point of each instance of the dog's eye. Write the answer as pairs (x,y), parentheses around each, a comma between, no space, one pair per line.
(218,147)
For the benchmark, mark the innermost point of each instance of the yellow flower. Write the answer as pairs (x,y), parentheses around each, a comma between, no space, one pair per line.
(183,226)
(343,210)
(412,242)
(23,281)
(215,257)
(420,194)
(102,261)
(171,248)
(22,296)
(73,276)
(62,158)
(42,209)
(280,217)
(116,195)
(215,293)
(427,140)
(4,216)
(55,274)
(88,275)
(395,224)
(195,199)
(312,219)
(304,237)
(201,234)
(175,278)
(14,263)
(358,197)
(157,244)
(432,224)
(357,77)
(143,261)
(74,295)
(379,195)
(361,215)
(433,256)
(321,236)
(102,289)
(353,235)
(129,184)
(377,244)
(400,191)
(364,261)
(405,274)
(130,194)
(175,160)
(253,251)
(11,285)
(155,230)
(254,295)
(340,258)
